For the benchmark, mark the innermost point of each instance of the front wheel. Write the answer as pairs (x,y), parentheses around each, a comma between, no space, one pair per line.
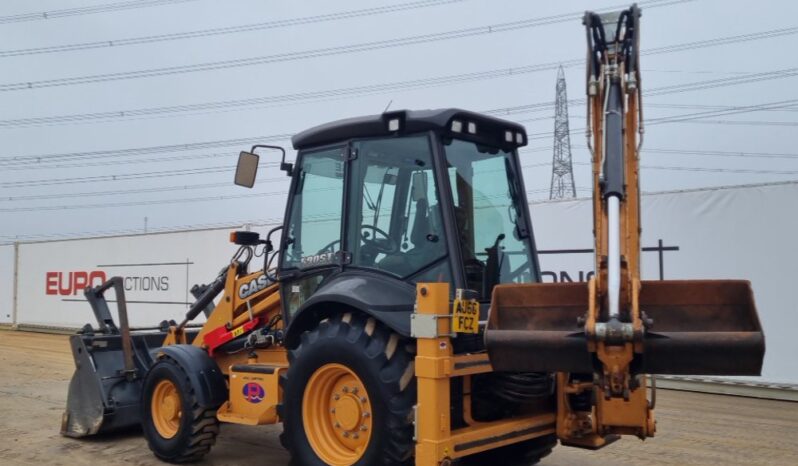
(349,394)
(177,429)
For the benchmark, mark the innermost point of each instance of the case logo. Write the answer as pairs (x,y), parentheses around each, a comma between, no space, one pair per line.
(248,289)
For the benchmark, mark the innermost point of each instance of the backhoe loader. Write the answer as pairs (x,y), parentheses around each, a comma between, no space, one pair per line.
(404,320)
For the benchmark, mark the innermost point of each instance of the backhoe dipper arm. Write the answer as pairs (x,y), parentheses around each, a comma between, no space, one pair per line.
(614,326)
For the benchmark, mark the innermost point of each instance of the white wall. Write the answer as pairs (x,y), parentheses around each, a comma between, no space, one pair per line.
(158,269)
(744,232)
(6,283)
(747,233)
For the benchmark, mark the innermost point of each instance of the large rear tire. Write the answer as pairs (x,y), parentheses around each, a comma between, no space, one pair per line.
(349,395)
(177,429)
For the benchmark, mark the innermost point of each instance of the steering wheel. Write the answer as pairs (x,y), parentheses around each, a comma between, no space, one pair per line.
(385,245)
(329,247)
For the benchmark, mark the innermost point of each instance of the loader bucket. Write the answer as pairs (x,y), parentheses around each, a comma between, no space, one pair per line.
(102,398)
(700,327)
(111,362)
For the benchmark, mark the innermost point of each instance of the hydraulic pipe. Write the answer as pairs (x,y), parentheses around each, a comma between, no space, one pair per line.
(613,189)
(613,255)
(206,298)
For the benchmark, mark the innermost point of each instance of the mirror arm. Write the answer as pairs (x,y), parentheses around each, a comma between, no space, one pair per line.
(288,168)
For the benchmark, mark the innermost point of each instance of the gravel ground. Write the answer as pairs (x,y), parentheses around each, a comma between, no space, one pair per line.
(693,428)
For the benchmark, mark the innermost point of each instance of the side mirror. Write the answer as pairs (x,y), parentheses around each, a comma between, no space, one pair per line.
(247,169)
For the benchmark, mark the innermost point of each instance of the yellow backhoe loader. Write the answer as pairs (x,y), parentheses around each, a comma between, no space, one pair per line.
(404,321)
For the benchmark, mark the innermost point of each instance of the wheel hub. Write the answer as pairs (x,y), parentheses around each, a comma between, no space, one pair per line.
(347,412)
(165,409)
(337,412)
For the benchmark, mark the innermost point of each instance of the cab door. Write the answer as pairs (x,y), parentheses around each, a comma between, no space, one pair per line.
(311,243)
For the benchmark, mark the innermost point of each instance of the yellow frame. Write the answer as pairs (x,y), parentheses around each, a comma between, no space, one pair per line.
(435,364)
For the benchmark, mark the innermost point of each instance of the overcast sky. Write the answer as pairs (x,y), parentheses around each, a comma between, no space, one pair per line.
(282,74)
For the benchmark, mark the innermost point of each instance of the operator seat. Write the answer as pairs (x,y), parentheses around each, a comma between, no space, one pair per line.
(424,235)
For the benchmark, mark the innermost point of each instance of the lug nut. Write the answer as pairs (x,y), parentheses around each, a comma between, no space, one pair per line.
(346,389)
(346,434)
(362,399)
(354,390)
(336,397)
(366,414)
(337,425)
(332,411)
(364,428)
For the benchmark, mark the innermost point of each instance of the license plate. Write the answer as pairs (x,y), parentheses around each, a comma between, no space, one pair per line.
(465,316)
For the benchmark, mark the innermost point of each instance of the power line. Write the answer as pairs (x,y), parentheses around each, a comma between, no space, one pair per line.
(285,98)
(674,89)
(718,153)
(119,177)
(693,116)
(394,86)
(127,231)
(722,170)
(167,201)
(315,53)
(45,165)
(714,107)
(38,197)
(740,122)
(86,10)
(712,170)
(731,111)
(114,153)
(140,203)
(724,40)
(274,193)
(227,30)
(376,88)
(714,153)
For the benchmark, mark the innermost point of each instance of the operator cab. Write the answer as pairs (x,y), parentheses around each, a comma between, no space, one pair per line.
(410,196)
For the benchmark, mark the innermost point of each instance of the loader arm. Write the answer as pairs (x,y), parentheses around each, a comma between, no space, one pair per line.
(604,339)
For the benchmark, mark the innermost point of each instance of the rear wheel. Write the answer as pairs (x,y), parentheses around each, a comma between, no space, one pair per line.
(177,429)
(349,394)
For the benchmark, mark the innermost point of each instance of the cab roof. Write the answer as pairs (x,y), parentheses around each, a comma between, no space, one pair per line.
(488,129)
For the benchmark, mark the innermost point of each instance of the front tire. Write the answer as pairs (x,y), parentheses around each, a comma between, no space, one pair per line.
(349,395)
(177,428)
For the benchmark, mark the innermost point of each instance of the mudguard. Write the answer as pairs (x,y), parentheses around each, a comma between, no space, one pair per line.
(388,300)
(202,370)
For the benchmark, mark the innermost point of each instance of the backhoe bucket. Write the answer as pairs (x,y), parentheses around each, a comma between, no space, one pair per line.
(700,327)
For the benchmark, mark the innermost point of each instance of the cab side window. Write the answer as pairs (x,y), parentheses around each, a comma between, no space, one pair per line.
(314,227)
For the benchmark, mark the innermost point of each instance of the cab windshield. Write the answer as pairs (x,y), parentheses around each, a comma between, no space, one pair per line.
(491,226)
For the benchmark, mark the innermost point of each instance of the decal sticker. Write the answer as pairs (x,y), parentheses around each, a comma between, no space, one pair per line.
(248,289)
(253,392)
(318,259)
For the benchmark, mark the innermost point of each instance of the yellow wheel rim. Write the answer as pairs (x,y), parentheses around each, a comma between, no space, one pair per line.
(337,415)
(166,408)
